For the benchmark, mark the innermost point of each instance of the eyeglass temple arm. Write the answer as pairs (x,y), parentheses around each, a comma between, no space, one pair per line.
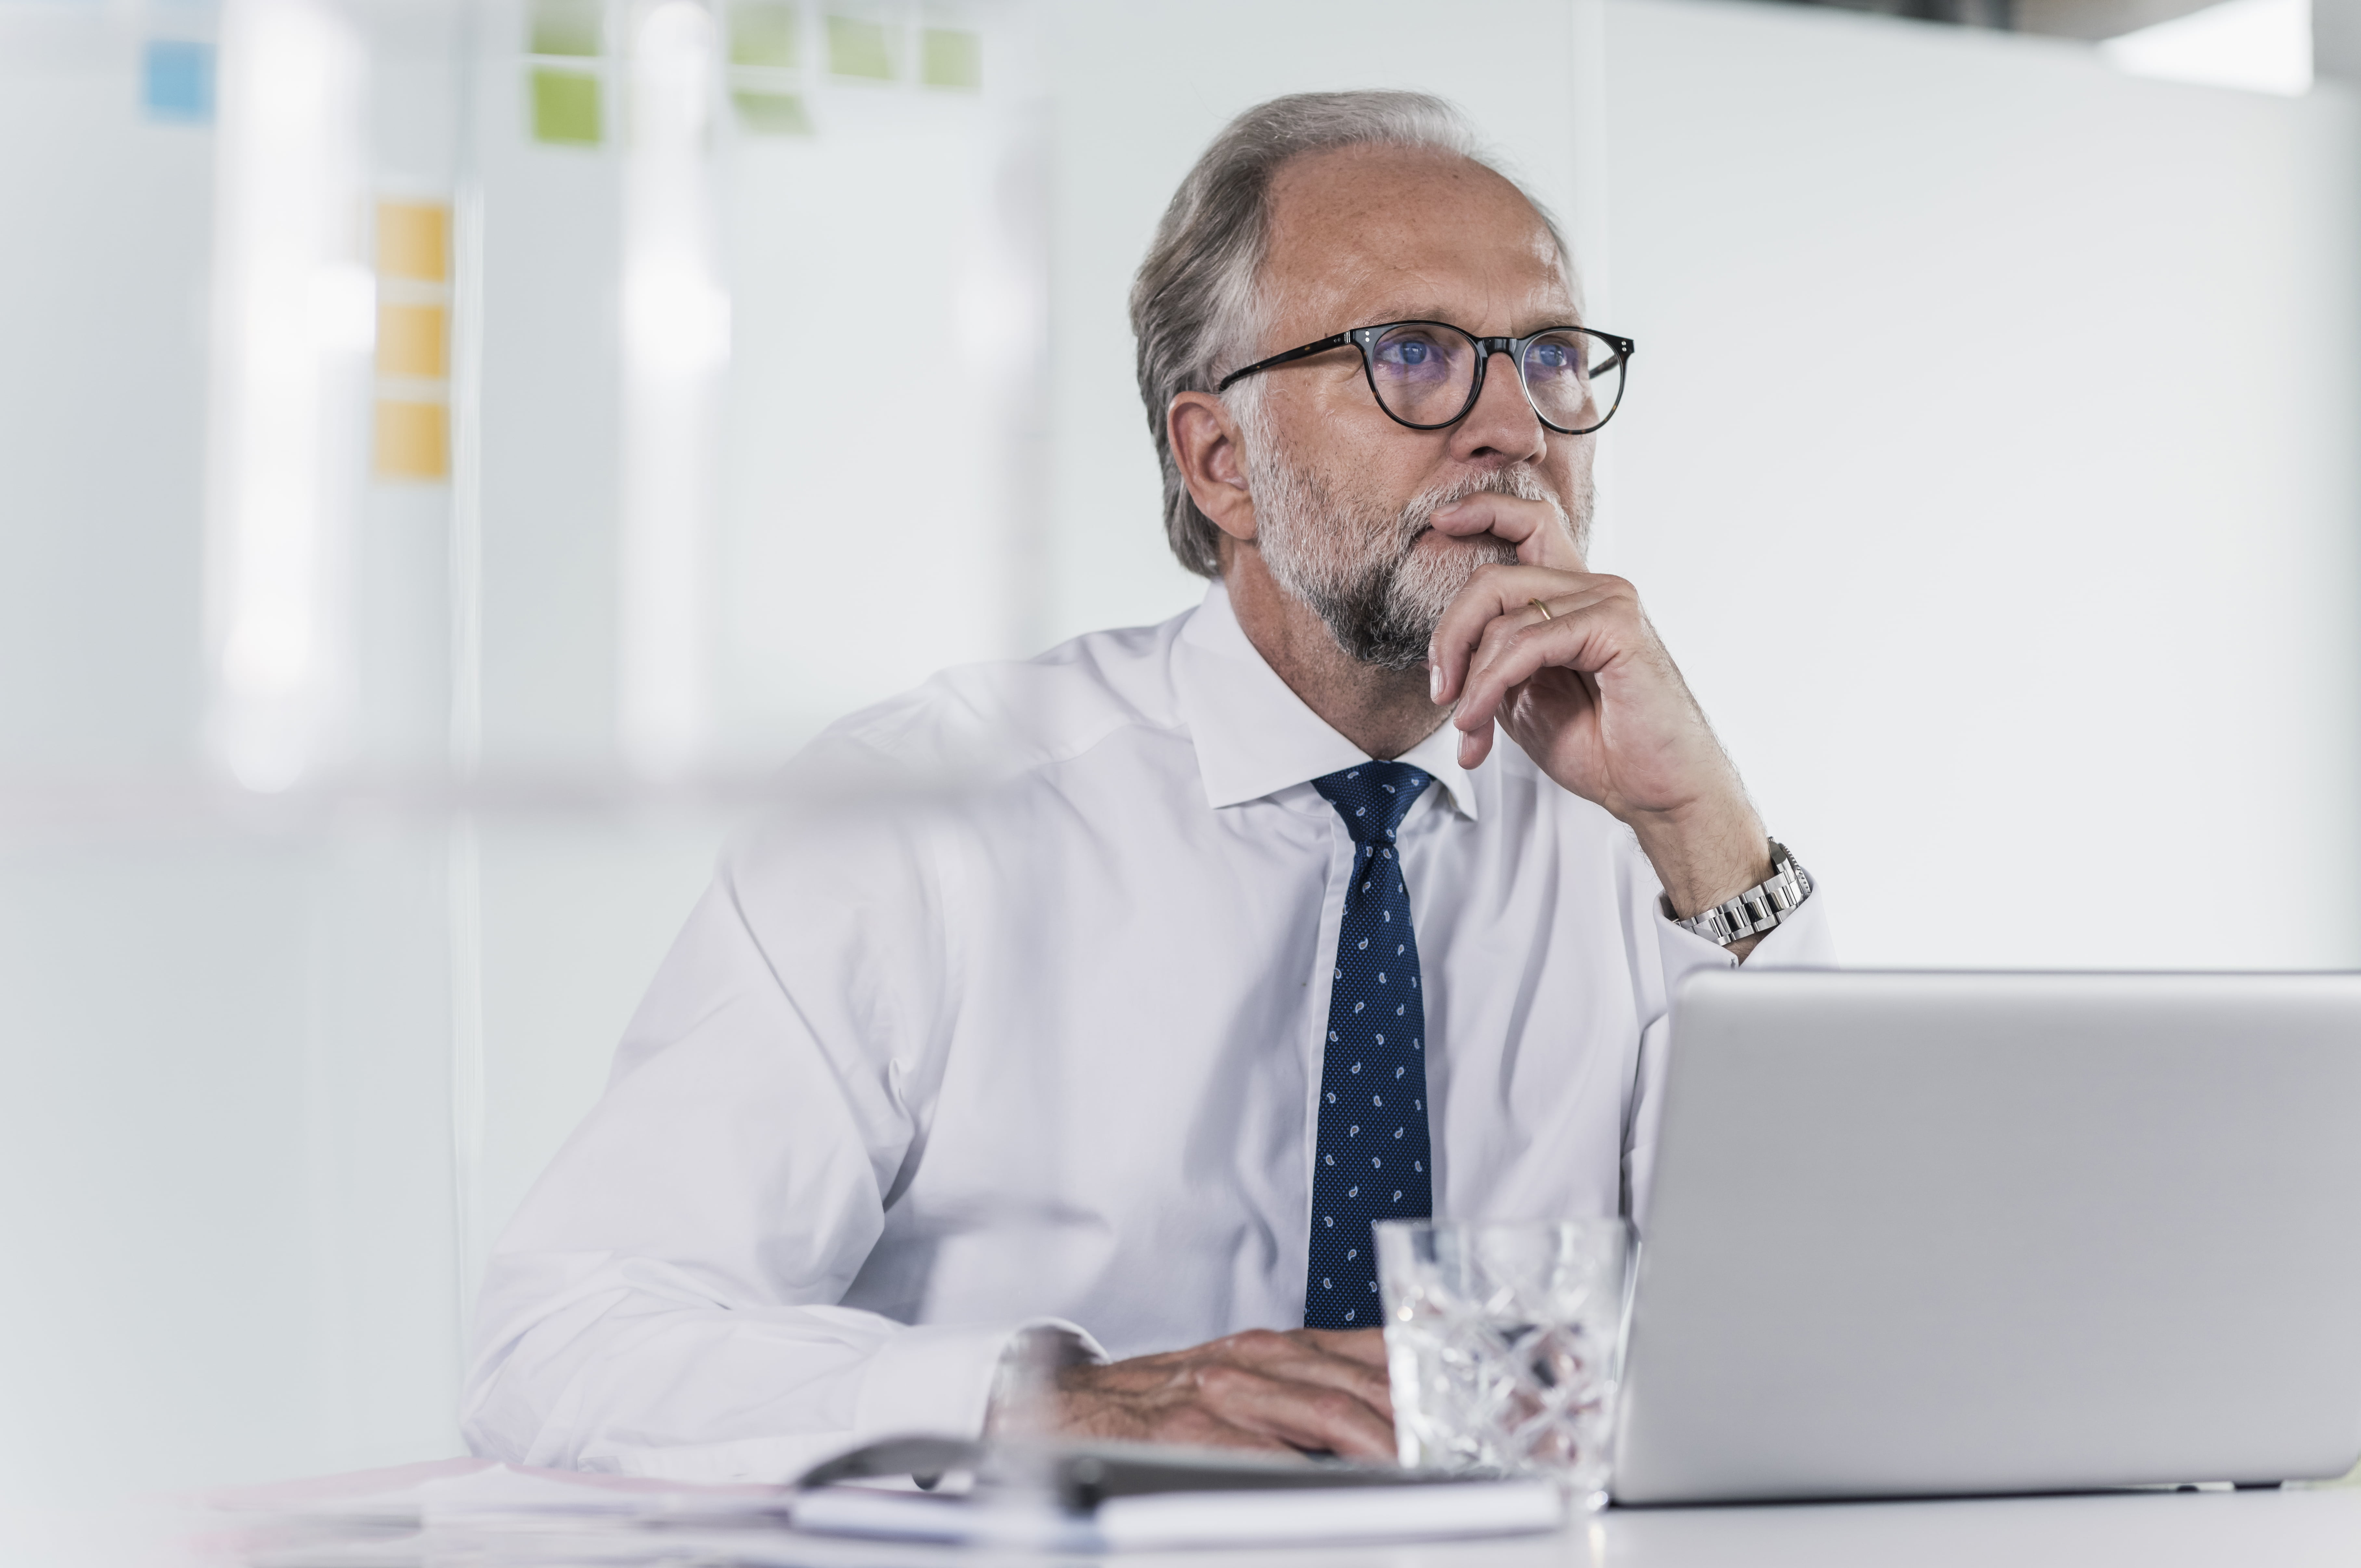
(1341,340)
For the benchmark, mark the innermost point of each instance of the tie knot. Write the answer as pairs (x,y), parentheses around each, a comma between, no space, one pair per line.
(1373,798)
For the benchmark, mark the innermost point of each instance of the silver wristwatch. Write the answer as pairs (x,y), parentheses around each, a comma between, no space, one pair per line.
(1756,910)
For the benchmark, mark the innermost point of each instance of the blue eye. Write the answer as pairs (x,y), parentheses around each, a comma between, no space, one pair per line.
(1549,356)
(1412,354)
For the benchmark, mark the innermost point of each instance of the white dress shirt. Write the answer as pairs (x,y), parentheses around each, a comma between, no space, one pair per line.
(1012,1013)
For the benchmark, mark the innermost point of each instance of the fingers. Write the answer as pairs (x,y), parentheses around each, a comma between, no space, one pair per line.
(1194,1425)
(1365,1345)
(1307,1389)
(1498,592)
(1302,1414)
(1332,1358)
(1536,527)
(1513,653)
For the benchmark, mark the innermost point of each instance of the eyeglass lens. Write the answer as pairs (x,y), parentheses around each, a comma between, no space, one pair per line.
(1424,374)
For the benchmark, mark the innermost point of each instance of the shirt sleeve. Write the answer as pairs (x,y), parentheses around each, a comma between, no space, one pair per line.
(1801,941)
(666,1301)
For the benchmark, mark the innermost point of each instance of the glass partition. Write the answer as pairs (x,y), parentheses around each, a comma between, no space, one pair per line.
(454,452)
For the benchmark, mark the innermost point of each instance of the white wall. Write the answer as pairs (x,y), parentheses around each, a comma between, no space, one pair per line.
(1989,465)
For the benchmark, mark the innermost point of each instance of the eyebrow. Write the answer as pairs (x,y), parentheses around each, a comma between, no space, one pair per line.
(1428,313)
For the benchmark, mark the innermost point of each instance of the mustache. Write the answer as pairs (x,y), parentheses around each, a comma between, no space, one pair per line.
(1517,481)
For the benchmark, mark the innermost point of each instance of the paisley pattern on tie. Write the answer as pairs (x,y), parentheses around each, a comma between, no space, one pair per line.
(1371,1159)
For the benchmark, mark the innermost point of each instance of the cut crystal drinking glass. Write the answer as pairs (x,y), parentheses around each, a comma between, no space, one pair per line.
(1503,1343)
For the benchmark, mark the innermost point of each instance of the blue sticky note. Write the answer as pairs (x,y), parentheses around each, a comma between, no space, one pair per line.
(178,80)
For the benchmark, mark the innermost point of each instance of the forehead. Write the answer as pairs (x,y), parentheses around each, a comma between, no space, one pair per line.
(1380,233)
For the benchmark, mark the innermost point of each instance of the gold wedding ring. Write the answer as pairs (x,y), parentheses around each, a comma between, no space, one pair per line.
(1543,607)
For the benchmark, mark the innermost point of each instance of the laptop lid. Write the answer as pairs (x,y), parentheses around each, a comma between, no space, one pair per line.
(1948,1233)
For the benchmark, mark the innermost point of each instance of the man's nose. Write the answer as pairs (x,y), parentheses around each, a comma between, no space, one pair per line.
(1502,424)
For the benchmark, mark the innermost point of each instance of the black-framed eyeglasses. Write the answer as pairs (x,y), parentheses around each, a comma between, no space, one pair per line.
(1428,375)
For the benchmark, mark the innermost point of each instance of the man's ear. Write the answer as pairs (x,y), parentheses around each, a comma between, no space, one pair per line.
(1207,446)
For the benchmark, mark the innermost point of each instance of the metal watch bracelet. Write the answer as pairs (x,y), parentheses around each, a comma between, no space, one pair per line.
(1759,908)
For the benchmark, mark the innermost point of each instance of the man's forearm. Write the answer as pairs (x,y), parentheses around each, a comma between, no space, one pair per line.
(1705,857)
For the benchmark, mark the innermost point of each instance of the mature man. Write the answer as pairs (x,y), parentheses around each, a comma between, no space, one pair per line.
(1101,1002)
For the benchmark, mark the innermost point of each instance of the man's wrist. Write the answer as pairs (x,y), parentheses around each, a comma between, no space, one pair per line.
(1755,910)
(1025,1386)
(1703,859)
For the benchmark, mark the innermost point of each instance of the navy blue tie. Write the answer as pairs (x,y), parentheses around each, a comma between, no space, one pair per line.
(1371,1161)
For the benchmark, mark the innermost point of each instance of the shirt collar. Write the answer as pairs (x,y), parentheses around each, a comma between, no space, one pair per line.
(1255,737)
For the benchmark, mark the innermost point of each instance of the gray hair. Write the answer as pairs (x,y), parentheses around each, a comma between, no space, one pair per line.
(1195,306)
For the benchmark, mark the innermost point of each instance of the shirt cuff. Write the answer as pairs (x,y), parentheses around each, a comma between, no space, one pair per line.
(937,1379)
(1803,940)
(1800,941)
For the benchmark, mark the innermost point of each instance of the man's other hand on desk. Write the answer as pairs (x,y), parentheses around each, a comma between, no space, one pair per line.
(1307,1389)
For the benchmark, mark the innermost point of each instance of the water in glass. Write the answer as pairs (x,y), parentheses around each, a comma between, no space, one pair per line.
(1502,1341)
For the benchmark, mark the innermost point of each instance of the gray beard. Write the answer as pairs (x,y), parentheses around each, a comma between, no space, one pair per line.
(1360,569)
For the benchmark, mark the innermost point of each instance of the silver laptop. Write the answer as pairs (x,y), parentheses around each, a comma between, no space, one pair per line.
(1926,1233)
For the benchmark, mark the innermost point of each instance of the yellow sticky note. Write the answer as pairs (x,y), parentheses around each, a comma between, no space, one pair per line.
(860,47)
(413,240)
(410,341)
(948,58)
(565,108)
(771,114)
(566,27)
(413,440)
(762,32)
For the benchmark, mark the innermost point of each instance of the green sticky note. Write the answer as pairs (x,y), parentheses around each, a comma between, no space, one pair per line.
(762,32)
(566,27)
(565,107)
(771,114)
(857,47)
(950,59)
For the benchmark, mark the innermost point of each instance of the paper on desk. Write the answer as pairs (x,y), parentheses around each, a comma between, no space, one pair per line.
(510,1490)
(455,1499)
(1172,1519)
(411,1496)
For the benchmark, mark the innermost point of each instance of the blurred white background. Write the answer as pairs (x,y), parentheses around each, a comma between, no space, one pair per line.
(449,452)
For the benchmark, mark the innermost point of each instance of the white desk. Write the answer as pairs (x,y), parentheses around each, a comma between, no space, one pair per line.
(2156,1529)
(2153,1529)
(2295,1528)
